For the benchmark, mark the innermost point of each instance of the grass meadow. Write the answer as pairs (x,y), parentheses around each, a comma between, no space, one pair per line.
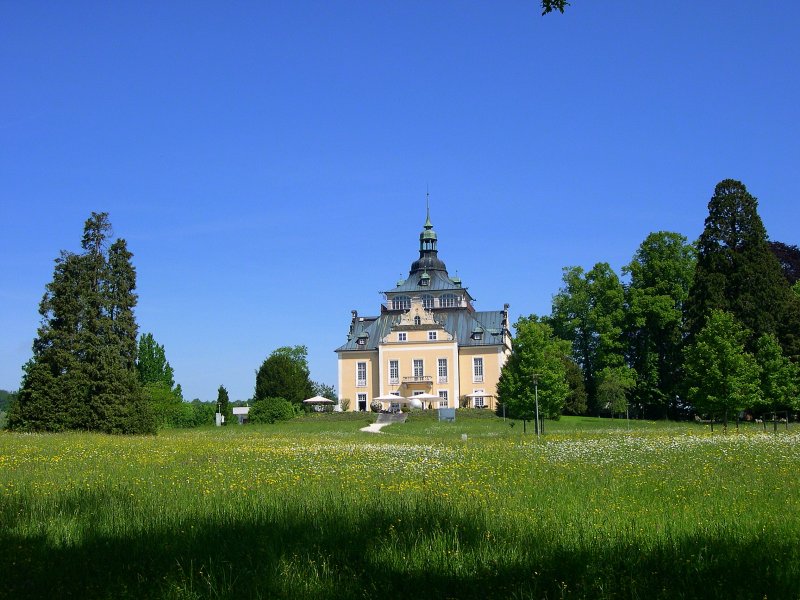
(314,508)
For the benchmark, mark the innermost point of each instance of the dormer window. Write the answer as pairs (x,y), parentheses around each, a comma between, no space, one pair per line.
(477,334)
(425,279)
(417,320)
(361,340)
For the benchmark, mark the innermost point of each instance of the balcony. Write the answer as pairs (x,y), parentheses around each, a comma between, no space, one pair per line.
(441,379)
(419,379)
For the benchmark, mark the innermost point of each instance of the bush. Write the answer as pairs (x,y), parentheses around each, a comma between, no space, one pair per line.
(271,410)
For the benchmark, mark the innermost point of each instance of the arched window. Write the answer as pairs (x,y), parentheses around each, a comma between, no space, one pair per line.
(448,300)
(401,303)
(427,301)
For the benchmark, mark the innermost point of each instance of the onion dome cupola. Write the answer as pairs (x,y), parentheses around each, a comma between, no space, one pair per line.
(428,255)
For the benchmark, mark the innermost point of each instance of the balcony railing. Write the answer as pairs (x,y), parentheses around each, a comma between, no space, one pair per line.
(361,383)
(418,379)
(477,379)
(442,379)
(394,380)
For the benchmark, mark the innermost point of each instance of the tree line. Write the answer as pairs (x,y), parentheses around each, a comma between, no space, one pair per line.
(711,327)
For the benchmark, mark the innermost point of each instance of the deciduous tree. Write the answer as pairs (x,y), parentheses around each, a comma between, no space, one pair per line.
(661,275)
(151,362)
(575,403)
(614,386)
(535,351)
(723,378)
(780,377)
(589,312)
(284,374)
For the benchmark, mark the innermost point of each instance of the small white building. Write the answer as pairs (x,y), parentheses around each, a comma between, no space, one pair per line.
(241,413)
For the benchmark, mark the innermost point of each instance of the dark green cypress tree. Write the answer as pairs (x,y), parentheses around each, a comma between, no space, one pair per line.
(224,404)
(82,373)
(737,272)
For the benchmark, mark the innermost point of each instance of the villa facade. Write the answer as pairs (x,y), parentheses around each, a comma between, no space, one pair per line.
(428,342)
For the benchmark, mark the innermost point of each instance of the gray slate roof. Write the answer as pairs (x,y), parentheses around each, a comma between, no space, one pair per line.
(439,281)
(460,323)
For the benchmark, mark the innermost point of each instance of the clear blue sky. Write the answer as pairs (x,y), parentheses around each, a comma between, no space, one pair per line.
(267,162)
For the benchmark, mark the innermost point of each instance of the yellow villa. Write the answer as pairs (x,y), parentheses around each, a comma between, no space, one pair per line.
(429,346)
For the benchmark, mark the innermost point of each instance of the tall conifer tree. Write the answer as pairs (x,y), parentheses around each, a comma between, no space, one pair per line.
(736,272)
(82,373)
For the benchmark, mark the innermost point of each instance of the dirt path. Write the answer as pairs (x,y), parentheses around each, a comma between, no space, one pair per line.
(375,427)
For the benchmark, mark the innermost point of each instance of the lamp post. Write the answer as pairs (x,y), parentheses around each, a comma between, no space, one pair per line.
(536,399)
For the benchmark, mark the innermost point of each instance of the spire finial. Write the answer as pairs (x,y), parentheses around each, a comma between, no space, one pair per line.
(428,224)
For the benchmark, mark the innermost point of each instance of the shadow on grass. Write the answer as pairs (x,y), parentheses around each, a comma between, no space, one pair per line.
(402,550)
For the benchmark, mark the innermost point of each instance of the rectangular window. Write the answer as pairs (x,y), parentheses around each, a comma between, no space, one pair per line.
(431,335)
(442,370)
(443,402)
(394,371)
(401,337)
(479,402)
(361,374)
(477,369)
(418,370)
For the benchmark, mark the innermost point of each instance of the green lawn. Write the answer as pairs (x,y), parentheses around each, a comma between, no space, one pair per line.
(315,508)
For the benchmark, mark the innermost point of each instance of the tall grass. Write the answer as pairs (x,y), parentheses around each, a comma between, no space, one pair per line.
(317,509)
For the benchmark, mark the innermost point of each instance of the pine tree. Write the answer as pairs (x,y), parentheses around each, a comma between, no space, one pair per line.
(737,272)
(81,375)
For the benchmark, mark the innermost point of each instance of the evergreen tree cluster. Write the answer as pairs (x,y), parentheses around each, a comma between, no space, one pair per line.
(83,371)
(712,327)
